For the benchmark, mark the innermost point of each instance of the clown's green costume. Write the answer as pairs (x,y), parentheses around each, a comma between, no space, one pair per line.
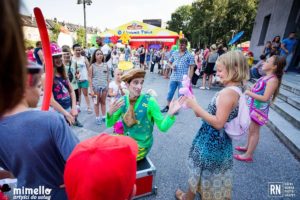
(147,112)
(138,114)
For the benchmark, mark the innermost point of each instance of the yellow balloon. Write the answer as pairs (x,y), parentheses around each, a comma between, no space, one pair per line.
(181,35)
(125,65)
(124,37)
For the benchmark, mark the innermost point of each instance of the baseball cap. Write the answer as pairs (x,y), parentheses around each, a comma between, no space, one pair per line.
(102,167)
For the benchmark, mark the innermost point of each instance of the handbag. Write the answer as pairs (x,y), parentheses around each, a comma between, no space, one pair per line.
(70,74)
(257,115)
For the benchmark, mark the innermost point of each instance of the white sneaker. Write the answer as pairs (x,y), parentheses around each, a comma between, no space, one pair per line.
(202,88)
(207,88)
(78,108)
(89,110)
(98,121)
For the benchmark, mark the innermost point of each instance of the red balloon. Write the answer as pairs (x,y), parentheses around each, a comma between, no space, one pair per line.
(47,56)
(114,39)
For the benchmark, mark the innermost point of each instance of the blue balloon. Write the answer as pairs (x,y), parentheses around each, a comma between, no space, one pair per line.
(106,40)
(236,38)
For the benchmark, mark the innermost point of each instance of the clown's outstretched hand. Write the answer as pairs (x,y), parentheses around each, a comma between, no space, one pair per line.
(175,106)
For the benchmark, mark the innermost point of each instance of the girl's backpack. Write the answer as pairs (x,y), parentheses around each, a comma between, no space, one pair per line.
(239,126)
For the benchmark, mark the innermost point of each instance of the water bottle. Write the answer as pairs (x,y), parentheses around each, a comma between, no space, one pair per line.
(94,99)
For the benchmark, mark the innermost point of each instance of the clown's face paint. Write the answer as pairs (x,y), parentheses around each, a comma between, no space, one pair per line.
(135,87)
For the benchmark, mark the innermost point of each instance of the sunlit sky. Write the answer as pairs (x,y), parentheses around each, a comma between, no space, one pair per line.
(105,14)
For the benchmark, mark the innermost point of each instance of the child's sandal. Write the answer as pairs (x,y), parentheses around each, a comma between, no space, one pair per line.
(180,195)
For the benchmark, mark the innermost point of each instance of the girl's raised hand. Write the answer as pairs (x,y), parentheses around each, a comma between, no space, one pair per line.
(247,92)
(74,112)
(70,118)
(118,103)
(92,92)
(191,102)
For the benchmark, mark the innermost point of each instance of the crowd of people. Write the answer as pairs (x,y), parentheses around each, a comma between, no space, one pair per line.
(40,149)
(285,48)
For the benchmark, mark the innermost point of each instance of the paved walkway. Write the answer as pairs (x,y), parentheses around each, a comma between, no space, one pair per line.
(272,160)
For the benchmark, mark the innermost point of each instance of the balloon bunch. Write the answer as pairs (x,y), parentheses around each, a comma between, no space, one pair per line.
(186,89)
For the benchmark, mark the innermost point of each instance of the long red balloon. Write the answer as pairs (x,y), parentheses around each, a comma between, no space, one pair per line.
(47,57)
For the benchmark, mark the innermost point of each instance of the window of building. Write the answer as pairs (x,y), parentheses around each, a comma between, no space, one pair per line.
(264,30)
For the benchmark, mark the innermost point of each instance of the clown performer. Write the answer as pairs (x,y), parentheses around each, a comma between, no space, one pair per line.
(139,112)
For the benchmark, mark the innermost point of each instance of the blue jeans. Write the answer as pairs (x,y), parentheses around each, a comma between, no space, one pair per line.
(288,59)
(172,88)
(254,73)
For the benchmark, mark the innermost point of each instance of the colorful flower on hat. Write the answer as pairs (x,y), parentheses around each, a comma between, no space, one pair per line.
(55,49)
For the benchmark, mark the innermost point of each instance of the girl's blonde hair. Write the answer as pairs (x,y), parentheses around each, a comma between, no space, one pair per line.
(236,66)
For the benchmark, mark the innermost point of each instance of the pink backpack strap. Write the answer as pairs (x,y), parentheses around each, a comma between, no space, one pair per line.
(236,89)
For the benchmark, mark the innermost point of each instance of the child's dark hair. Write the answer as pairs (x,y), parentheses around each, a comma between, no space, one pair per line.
(34,73)
(274,39)
(93,58)
(183,41)
(59,69)
(38,43)
(75,45)
(262,56)
(66,49)
(280,62)
(33,79)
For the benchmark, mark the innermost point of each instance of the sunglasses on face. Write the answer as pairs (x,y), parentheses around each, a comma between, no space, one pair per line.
(5,188)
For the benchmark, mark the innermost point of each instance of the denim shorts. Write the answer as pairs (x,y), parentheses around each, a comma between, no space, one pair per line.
(99,89)
(172,88)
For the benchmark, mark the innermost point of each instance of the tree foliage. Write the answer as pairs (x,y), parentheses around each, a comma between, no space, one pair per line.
(80,36)
(29,43)
(180,20)
(211,21)
(55,30)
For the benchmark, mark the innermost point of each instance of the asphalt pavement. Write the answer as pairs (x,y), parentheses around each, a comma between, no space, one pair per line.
(273,163)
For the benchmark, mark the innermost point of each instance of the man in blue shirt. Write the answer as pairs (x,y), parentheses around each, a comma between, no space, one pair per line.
(38,53)
(288,46)
(182,62)
(127,52)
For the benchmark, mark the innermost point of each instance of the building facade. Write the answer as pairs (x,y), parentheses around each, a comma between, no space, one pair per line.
(154,22)
(276,18)
(31,31)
